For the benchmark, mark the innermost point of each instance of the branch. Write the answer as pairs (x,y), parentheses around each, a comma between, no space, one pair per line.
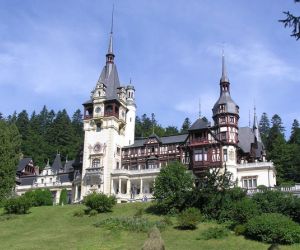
(292,21)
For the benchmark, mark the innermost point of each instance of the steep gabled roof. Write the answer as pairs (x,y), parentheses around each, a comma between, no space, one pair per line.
(109,76)
(199,124)
(23,163)
(57,165)
(246,138)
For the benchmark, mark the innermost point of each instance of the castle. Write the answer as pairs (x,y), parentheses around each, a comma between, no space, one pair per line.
(114,163)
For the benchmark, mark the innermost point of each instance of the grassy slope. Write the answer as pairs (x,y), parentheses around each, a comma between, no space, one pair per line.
(56,228)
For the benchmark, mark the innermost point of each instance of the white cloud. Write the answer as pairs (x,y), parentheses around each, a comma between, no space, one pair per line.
(256,61)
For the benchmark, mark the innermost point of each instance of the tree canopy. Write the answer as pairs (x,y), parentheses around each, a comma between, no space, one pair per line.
(9,156)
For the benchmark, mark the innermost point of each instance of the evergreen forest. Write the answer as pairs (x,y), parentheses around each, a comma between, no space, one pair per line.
(42,135)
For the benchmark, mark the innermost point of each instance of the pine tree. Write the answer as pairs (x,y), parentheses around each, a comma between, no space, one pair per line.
(186,125)
(9,156)
(295,133)
(77,123)
(264,127)
(276,130)
(171,130)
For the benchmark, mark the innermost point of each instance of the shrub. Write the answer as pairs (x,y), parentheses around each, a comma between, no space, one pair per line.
(239,212)
(78,213)
(214,233)
(93,212)
(171,186)
(17,205)
(40,197)
(154,241)
(278,202)
(63,198)
(99,202)
(239,229)
(273,228)
(130,224)
(189,218)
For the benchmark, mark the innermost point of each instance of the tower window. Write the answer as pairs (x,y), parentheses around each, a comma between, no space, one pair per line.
(225,154)
(231,118)
(96,163)
(223,136)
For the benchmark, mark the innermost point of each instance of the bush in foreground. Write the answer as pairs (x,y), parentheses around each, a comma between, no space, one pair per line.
(63,198)
(239,212)
(40,197)
(17,205)
(273,228)
(189,218)
(214,233)
(154,241)
(99,202)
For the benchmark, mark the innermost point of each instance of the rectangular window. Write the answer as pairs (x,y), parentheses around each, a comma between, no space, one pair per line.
(225,154)
(249,182)
(118,151)
(223,136)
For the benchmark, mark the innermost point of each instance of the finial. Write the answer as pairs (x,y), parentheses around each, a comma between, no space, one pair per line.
(200,108)
(249,119)
(110,46)
(112,19)
(224,77)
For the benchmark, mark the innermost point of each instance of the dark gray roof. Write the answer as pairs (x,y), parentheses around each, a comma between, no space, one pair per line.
(199,124)
(27,180)
(246,138)
(230,105)
(66,177)
(137,143)
(88,102)
(23,163)
(153,135)
(174,139)
(57,165)
(69,166)
(164,140)
(109,76)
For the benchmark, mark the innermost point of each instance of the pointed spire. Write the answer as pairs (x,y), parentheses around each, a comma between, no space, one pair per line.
(255,126)
(224,77)
(110,45)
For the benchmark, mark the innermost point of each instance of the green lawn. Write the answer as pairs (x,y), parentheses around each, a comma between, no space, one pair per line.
(57,228)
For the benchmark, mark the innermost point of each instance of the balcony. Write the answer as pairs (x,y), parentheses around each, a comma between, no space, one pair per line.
(199,141)
(265,164)
(135,172)
(98,170)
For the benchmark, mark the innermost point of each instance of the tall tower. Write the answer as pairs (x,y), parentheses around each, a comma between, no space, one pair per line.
(109,119)
(226,117)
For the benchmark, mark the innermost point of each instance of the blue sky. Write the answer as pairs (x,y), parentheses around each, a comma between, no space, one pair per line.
(52,52)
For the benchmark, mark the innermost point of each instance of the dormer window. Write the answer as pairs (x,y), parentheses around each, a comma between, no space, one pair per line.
(222,108)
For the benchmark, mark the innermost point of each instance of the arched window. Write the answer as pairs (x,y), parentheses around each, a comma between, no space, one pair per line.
(96,163)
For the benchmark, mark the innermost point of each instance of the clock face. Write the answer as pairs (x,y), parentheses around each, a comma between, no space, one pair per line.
(97,148)
(98,110)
